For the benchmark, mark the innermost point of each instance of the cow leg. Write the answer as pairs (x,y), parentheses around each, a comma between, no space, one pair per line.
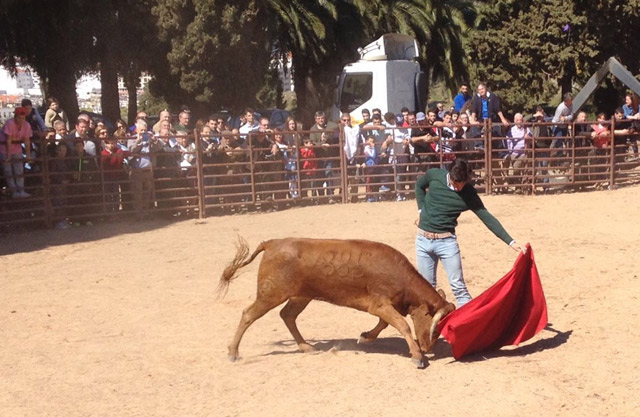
(372,334)
(389,314)
(289,313)
(250,314)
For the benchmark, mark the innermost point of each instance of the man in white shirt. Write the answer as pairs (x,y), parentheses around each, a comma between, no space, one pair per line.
(400,154)
(251,125)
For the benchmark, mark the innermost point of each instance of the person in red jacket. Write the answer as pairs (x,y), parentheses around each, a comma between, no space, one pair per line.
(114,173)
(309,167)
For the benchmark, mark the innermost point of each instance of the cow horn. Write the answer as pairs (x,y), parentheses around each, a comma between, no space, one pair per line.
(434,324)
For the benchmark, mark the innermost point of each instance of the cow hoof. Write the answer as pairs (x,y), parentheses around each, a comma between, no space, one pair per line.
(232,358)
(419,363)
(305,347)
(364,339)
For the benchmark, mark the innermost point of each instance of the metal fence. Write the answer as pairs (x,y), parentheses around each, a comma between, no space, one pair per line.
(223,178)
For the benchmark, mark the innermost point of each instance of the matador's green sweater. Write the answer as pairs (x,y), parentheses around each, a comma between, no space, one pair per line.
(441,206)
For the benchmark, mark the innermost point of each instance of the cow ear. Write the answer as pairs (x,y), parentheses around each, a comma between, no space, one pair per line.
(442,294)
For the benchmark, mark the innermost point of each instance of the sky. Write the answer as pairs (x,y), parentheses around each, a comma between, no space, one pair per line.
(83,87)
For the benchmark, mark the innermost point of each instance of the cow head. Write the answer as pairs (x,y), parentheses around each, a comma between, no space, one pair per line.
(426,324)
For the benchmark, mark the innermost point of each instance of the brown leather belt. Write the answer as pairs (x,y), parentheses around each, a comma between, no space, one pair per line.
(432,235)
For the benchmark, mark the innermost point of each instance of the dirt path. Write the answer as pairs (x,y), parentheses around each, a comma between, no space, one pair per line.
(120,320)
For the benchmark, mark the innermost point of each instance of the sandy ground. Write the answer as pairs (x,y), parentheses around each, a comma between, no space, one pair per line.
(121,320)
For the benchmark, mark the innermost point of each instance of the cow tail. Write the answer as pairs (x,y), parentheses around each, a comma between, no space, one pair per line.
(241,259)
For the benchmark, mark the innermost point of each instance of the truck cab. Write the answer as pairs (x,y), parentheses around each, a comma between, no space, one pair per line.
(387,76)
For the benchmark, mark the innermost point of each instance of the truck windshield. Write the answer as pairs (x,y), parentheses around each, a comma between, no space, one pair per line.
(356,89)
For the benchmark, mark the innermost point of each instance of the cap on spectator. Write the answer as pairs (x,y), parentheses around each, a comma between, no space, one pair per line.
(21,111)
(420,116)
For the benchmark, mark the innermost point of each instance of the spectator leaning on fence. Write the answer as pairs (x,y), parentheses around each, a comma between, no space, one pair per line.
(164,120)
(351,137)
(421,140)
(631,107)
(325,135)
(563,116)
(33,118)
(82,132)
(447,143)
(486,105)
(250,125)
(85,177)
(369,166)
(291,135)
(352,148)
(60,174)
(309,168)
(516,145)
(15,132)
(114,174)
(142,147)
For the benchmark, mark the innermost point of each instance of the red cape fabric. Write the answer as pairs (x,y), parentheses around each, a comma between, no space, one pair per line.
(508,313)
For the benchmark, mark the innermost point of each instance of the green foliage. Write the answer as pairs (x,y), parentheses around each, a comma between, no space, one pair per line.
(528,55)
(151,104)
(218,52)
(525,49)
(270,94)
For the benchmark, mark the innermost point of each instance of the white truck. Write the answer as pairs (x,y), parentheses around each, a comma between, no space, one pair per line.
(387,76)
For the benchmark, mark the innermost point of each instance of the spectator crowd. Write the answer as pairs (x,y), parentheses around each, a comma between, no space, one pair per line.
(154,166)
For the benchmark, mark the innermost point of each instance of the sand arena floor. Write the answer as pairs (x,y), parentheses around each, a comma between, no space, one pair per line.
(120,320)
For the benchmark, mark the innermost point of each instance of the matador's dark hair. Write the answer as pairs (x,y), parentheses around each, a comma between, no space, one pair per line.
(460,171)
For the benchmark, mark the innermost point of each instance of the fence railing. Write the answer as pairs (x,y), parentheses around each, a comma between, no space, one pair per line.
(233,174)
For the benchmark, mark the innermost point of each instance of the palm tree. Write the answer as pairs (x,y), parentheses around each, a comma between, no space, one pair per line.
(324,35)
(439,26)
(302,28)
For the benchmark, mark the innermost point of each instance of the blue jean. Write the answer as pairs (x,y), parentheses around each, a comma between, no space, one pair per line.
(429,251)
(13,172)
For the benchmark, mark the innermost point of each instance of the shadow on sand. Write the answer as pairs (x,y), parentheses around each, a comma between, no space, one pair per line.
(441,350)
(558,339)
(35,240)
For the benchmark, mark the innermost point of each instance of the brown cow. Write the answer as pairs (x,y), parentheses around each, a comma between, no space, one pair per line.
(364,275)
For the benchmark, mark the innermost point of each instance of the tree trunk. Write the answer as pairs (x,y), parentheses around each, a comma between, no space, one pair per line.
(61,84)
(110,99)
(132,80)
(566,82)
(303,113)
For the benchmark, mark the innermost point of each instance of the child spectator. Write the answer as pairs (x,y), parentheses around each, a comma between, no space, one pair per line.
(288,157)
(369,166)
(84,180)
(601,135)
(187,184)
(309,169)
(54,112)
(59,178)
(187,151)
(114,173)
(209,144)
